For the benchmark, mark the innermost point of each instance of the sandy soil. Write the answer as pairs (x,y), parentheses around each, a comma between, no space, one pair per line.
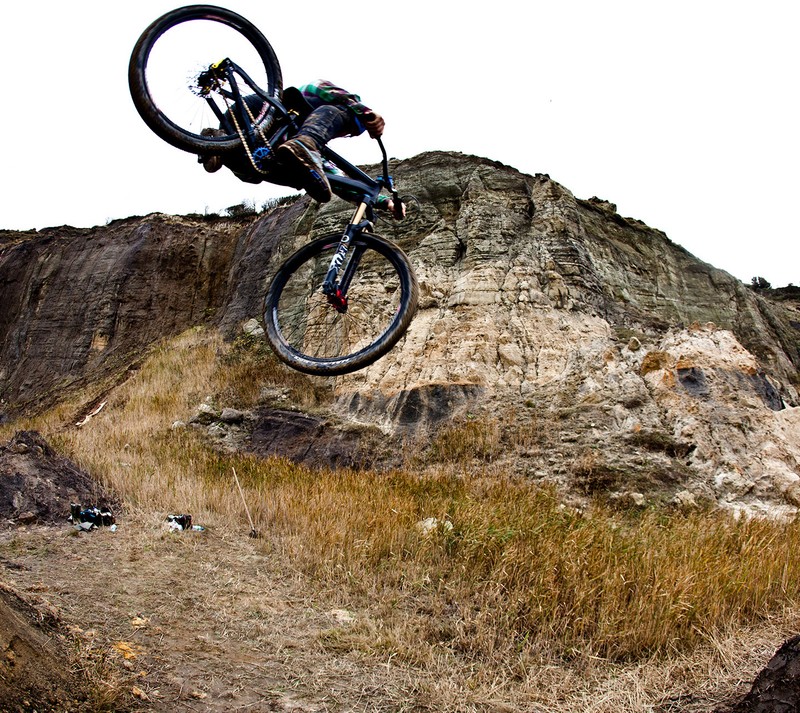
(197,621)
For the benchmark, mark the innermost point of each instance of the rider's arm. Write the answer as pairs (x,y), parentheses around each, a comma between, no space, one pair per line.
(324,92)
(387,204)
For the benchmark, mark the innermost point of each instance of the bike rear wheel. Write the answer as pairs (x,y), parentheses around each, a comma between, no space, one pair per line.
(166,69)
(310,334)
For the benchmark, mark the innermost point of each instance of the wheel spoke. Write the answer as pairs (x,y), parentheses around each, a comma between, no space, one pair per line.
(178,59)
(174,80)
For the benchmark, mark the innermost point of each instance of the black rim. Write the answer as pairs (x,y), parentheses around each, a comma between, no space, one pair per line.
(383,284)
(176,93)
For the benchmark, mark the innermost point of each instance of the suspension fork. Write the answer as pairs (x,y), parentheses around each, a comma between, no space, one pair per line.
(336,292)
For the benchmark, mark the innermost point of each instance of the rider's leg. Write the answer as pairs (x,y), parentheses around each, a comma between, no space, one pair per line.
(327,122)
(323,124)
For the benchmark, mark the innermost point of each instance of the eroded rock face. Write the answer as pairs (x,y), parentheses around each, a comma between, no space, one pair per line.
(311,440)
(81,303)
(631,349)
(613,346)
(517,274)
(422,407)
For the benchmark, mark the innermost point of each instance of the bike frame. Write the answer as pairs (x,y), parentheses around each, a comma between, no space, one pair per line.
(353,182)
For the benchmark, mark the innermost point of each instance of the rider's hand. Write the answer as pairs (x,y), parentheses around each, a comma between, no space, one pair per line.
(374,124)
(398,211)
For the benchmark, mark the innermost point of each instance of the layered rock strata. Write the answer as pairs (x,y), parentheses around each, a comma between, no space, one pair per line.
(627,360)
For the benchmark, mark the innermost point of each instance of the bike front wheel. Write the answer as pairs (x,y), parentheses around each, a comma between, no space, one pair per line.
(169,77)
(326,336)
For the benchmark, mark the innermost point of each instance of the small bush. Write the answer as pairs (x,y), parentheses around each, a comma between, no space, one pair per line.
(593,475)
(241,210)
(272,203)
(658,441)
(249,365)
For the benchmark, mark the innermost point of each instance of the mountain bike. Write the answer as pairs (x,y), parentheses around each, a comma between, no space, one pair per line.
(206,80)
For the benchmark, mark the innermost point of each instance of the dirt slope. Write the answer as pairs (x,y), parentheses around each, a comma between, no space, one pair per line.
(196,621)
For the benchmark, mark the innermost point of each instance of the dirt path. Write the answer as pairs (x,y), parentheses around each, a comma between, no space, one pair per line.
(198,621)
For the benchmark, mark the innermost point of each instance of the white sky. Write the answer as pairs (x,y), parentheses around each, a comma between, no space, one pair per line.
(683,113)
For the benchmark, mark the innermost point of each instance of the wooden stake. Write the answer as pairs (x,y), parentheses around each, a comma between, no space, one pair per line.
(253,531)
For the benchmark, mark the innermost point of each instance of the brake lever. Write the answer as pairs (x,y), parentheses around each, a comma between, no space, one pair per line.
(397,204)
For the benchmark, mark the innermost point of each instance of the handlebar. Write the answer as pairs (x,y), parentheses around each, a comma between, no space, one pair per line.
(398,204)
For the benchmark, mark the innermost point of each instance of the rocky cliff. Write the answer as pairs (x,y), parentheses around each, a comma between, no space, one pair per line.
(605,356)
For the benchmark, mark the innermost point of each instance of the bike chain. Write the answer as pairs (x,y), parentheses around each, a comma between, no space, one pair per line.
(241,133)
(244,141)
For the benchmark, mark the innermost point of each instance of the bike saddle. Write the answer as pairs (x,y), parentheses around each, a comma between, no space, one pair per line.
(294,100)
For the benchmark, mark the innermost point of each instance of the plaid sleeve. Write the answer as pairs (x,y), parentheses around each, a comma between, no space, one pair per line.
(324,92)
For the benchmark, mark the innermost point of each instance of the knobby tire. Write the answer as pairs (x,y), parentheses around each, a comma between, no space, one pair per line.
(309,335)
(153,115)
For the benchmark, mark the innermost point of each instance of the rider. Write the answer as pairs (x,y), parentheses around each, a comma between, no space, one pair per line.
(331,112)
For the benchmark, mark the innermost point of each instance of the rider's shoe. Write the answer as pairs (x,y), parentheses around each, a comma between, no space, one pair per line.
(302,151)
(211,162)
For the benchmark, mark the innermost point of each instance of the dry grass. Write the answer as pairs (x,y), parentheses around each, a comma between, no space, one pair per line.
(520,572)
(107,685)
(248,365)
(473,439)
(509,580)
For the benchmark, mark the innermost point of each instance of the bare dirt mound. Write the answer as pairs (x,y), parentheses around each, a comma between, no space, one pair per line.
(37,485)
(34,663)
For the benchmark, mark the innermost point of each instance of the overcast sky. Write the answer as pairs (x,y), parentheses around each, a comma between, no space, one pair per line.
(683,113)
